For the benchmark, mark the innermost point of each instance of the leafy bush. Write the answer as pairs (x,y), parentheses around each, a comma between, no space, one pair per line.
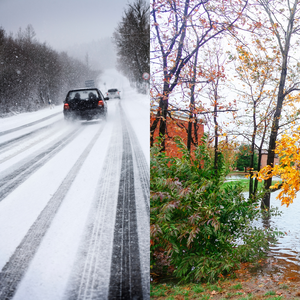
(196,225)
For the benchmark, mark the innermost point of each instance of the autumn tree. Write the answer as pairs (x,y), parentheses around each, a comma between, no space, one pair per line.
(205,77)
(279,21)
(191,82)
(288,150)
(212,103)
(171,25)
(255,84)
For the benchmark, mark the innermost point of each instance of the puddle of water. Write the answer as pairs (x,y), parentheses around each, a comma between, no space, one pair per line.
(284,257)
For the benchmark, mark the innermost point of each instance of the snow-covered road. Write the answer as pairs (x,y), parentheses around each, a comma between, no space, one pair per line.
(74,202)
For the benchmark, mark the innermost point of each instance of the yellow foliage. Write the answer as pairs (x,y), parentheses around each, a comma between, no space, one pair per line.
(288,150)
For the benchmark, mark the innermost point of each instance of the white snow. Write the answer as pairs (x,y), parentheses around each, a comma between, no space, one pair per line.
(50,268)
(136,106)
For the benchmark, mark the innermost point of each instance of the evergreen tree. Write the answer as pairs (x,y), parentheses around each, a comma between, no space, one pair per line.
(132,40)
(31,73)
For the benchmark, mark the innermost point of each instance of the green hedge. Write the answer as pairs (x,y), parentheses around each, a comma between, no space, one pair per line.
(199,229)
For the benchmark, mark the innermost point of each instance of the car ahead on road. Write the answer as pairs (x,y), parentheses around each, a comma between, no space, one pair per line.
(113,93)
(85,104)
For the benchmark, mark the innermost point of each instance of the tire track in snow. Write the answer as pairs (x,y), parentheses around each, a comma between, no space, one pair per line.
(33,143)
(11,181)
(14,270)
(29,124)
(125,276)
(90,275)
(142,192)
(143,168)
(108,263)
(11,143)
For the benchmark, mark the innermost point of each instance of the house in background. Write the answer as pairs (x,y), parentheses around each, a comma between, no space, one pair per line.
(176,126)
(264,157)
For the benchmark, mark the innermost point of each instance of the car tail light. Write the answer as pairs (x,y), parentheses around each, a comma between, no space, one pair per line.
(66,106)
(100,103)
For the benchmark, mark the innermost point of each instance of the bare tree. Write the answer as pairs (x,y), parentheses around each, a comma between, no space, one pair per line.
(172,24)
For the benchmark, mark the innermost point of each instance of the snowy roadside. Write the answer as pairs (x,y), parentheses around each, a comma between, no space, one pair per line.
(29,117)
(135,105)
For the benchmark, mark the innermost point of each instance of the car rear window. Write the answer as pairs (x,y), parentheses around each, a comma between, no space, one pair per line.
(112,90)
(83,94)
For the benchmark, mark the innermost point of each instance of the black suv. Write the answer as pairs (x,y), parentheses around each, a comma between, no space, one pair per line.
(85,104)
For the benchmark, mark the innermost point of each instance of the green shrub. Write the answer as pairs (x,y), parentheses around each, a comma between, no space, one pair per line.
(196,224)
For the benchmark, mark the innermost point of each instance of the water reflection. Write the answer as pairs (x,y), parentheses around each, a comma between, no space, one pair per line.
(284,257)
(278,268)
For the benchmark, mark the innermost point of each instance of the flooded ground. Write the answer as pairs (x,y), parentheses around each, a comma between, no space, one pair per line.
(284,257)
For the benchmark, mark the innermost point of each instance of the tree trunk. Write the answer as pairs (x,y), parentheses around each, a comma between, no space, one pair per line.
(216,162)
(251,192)
(161,116)
(192,103)
(281,93)
(273,137)
(258,169)
(153,127)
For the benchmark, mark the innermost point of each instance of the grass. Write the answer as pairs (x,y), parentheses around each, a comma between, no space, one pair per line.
(223,290)
(270,293)
(188,291)
(244,183)
(236,287)
(198,289)
(214,287)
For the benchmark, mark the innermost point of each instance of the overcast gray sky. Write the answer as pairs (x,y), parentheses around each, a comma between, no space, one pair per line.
(63,23)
